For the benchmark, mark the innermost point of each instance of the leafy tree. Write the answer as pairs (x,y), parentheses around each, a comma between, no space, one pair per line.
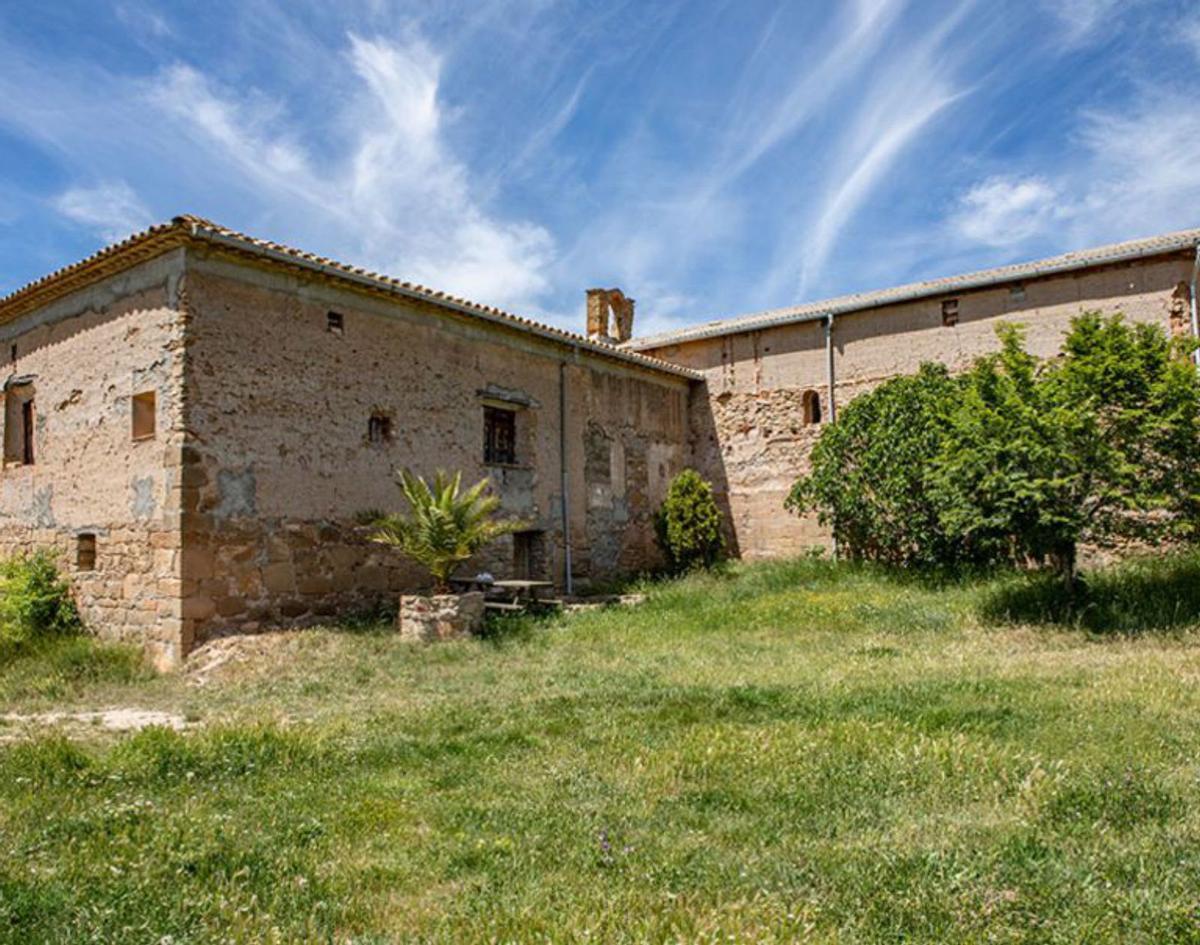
(868,480)
(445,526)
(688,525)
(1018,460)
(1102,442)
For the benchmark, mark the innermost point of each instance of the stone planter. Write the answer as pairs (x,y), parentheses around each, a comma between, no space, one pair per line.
(423,619)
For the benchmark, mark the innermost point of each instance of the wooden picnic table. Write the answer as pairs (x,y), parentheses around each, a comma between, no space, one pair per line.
(518,595)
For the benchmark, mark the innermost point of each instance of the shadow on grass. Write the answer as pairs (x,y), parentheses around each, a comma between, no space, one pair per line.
(1137,596)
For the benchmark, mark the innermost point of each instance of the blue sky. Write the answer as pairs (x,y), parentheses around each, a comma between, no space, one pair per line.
(709,158)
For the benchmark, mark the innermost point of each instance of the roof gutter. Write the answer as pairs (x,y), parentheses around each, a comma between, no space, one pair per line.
(947,287)
(201,232)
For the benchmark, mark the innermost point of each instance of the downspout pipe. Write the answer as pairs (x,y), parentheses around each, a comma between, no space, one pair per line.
(829,367)
(568,584)
(832,395)
(1195,315)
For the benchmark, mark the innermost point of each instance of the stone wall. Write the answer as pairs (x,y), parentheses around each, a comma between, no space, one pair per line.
(280,463)
(84,357)
(749,435)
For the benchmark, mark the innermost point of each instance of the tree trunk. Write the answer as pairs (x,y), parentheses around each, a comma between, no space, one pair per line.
(1063,560)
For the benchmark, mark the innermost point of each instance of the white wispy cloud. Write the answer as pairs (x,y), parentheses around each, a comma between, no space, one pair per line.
(867,167)
(395,196)
(112,210)
(1004,210)
(708,158)
(1130,173)
(1083,19)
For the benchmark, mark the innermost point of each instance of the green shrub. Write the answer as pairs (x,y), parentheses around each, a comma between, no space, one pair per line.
(688,525)
(35,602)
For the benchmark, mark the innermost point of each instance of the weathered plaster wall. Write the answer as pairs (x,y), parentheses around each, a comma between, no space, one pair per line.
(88,353)
(279,463)
(749,435)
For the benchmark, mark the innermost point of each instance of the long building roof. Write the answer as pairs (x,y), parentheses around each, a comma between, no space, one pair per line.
(1081,259)
(186,229)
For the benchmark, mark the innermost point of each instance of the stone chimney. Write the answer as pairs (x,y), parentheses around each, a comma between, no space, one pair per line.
(609,316)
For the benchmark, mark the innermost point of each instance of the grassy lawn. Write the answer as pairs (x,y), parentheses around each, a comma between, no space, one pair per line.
(787,752)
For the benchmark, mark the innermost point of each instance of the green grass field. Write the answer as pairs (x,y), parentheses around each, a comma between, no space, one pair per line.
(789,752)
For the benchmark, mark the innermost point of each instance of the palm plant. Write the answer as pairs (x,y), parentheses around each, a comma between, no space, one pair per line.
(444,526)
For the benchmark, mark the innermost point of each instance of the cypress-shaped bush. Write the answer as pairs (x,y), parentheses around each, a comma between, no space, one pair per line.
(688,524)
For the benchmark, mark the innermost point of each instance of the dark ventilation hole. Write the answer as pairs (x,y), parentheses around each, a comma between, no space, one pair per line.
(335,322)
(950,313)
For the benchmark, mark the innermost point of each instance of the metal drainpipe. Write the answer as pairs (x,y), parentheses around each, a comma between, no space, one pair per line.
(1195,316)
(832,396)
(568,585)
(829,366)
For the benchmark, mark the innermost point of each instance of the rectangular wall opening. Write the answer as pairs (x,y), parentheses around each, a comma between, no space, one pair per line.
(529,556)
(499,436)
(19,425)
(144,415)
(950,313)
(85,552)
(379,429)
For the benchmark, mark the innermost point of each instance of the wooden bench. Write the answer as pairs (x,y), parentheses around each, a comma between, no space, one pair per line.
(501,605)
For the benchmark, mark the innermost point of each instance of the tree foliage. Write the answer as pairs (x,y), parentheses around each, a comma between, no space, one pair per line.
(1018,460)
(444,526)
(688,525)
(35,601)
(869,470)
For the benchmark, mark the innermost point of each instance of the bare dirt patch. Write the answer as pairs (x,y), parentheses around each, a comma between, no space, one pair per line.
(113,719)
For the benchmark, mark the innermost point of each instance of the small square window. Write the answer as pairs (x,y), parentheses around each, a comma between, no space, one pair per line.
(499,435)
(1017,292)
(85,552)
(950,313)
(379,428)
(335,322)
(144,415)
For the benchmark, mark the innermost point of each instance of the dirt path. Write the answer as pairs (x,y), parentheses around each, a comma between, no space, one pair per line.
(114,719)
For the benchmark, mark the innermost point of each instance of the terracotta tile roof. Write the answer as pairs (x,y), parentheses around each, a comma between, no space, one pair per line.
(845,304)
(185,229)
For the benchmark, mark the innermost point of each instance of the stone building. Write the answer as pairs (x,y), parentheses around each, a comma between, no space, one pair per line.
(198,421)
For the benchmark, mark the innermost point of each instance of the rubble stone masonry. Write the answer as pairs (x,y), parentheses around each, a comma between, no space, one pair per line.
(84,357)
(200,431)
(280,466)
(749,435)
